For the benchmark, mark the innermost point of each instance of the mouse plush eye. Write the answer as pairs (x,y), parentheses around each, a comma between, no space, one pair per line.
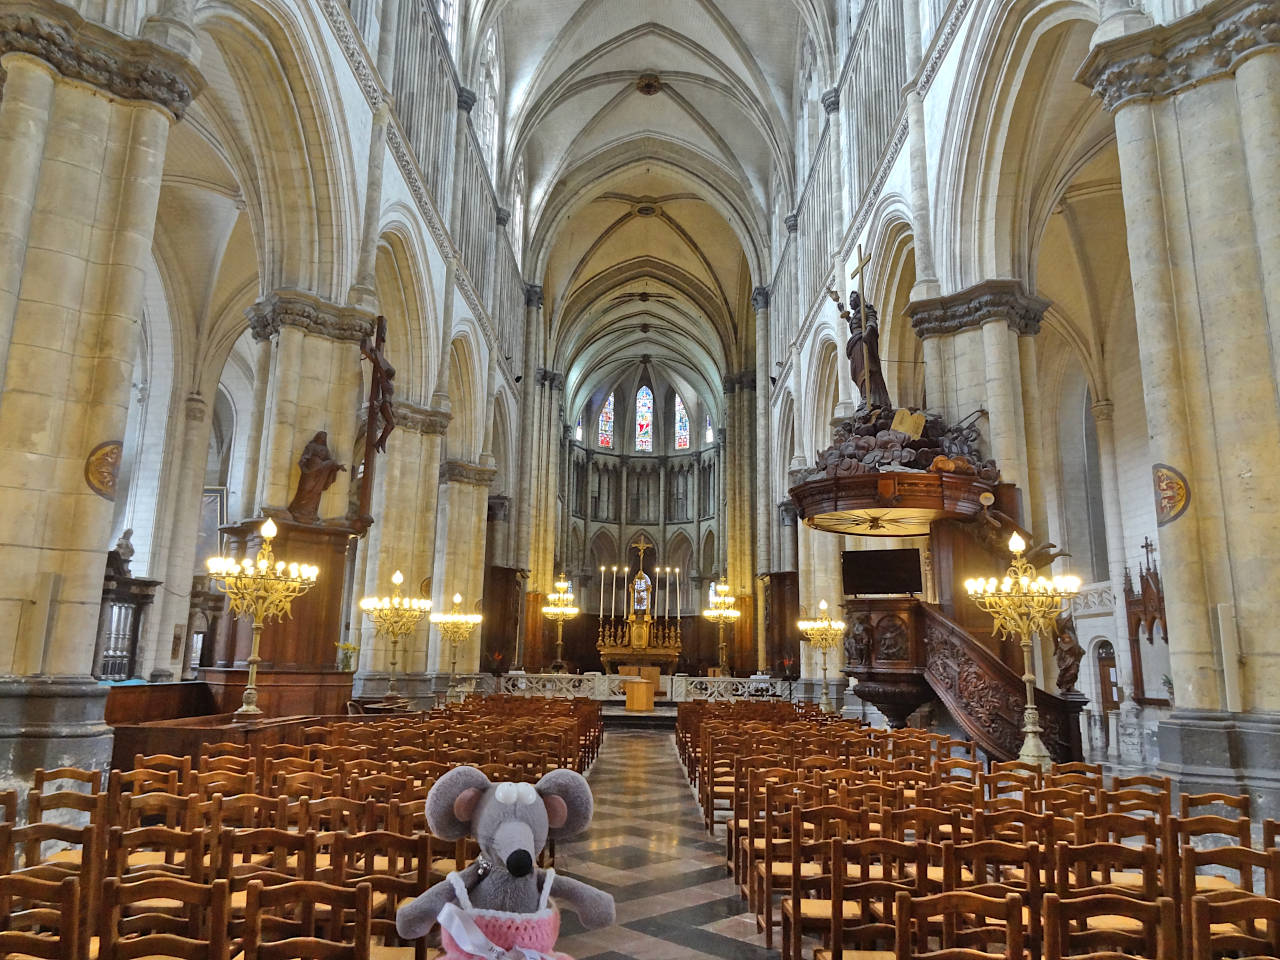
(526,794)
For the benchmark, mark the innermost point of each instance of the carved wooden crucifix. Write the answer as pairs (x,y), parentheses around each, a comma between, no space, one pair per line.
(380,419)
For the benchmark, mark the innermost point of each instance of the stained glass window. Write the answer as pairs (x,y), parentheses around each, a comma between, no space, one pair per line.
(711,433)
(604,429)
(682,425)
(577,431)
(644,419)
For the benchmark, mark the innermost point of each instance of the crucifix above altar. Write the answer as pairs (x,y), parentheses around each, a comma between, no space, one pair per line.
(647,635)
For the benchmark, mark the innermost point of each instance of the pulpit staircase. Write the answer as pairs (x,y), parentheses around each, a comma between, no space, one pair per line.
(917,654)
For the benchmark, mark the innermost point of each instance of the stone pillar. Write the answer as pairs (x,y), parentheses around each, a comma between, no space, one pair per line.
(314,385)
(976,363)
(1198,136)
(84,125)
(157,658)
(363,292)
(926,284)
(459,555)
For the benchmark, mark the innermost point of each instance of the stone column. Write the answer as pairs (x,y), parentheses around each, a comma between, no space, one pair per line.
(764,445)
(460,547)
(173,603)
(314,385)
(926,284)
(363,292)
(976,363)
(1198,136)
(84,125)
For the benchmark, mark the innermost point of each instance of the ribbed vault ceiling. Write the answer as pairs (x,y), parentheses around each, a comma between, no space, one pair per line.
(650,204)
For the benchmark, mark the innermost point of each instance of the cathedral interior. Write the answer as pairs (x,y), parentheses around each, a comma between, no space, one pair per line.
(907,364)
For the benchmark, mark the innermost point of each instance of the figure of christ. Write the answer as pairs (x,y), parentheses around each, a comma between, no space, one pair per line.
(863,351)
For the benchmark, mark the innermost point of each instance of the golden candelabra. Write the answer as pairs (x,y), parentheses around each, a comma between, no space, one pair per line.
(1022,605)
(395,617)
(455,626)
(560,608)
(264,589)
(720,613)
(823,634)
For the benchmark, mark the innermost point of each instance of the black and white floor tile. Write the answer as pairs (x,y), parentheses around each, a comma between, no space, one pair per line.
(648,848)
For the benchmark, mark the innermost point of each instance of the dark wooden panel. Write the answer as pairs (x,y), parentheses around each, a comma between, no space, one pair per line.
(501,615)
(781,611)
(281,693)
(141,702)
(184,736)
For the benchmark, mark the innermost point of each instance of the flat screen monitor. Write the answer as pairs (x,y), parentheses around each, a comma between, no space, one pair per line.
(881,571)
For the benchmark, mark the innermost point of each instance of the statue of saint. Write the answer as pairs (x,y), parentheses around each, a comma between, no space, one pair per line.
(319,470)
(863,351)
(640,587)
(1067,653)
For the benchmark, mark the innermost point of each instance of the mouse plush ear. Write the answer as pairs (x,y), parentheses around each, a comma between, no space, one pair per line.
(569,803)
(452,800)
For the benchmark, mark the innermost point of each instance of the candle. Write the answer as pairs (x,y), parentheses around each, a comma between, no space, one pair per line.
(613,593)
(677,593)
(666,594)
(600,608)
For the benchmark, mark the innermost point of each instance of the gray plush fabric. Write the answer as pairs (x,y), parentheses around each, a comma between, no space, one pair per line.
(511,834)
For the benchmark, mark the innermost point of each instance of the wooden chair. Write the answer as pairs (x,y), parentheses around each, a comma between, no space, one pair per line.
(397,868)
(41,918)
(267,855)
(282,922)
(146,853)
(164,763)
(154,808)
(195,930)
(204,784)
(92,779)
(1247,927)
(1069,933)
(1225,873)
(1231,801)
(995,869)
(861,908)
(966,926)
(769,869)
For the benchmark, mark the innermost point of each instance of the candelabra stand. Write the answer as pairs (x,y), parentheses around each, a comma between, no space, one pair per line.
(395,617)
(264,589)
(823,634)
(455,626)
(560,608)
(1022,605)
(721,612)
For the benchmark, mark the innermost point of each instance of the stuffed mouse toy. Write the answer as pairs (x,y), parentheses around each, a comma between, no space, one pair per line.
(498,908)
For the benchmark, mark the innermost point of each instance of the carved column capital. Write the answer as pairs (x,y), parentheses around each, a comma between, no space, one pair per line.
(459,471)
(551,378)
(126,67)
(499,508)
(1103,410)
(197,408)
(466,99)
(831,100)
(792,222)
(533,295)
(1158,62)
(787,513)
(313,315)
(503,216)
(760,299)
(982,303)
(410,416)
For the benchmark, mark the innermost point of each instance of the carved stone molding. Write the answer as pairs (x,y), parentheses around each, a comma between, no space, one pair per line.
(760,298)
(792,222)
(990,300)
(339,17)
(533,295)
(503,216)
(197,408)
(742,380)
(545,377)
(124,67)
(831,100)
(499,509)
(942,44)
(410,416)
(787,513)
(297,309)
(466,99)
(1158,62)
(459,471)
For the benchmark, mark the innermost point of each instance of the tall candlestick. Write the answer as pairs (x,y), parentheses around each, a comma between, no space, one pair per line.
(666,593)
(677,593)
(600,608)
(613,593)
(626,585)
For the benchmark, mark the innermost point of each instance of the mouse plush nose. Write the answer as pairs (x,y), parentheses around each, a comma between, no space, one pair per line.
(520,863)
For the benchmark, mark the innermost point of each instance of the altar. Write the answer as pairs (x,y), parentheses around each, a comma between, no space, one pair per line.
(641,640)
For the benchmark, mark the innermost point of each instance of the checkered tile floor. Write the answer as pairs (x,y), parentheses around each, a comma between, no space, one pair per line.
(647,847)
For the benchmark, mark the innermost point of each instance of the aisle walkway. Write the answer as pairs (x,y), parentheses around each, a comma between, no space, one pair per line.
(648,848)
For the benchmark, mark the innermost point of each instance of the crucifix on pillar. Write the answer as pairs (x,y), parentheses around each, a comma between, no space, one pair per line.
(1149,549)
(381,418)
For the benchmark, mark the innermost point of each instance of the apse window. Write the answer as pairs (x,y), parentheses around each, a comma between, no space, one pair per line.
(711,433)
(604,428)
(577,431)
(644,419)
(682,425)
